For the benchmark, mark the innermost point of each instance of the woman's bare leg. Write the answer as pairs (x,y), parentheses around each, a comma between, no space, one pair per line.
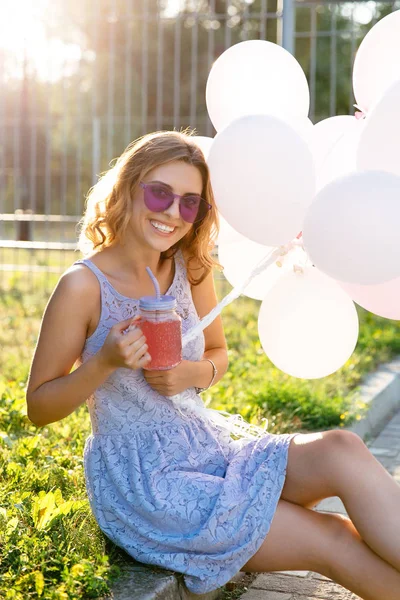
(302,539)
(338,463)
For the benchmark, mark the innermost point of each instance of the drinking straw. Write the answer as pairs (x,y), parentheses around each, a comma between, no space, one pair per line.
(155,283)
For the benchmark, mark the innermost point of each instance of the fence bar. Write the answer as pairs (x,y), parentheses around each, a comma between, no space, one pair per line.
(38,245)
(263,20)
(210,55)
(33,151)
(145,64)
(160,71)
(48,150)
(96,125)
(63,207)
(3,181)
(128,73)
(177,70)
(313,61)
(21,216)
(96,141)
(228,29)
(245,33)
(16,146)
(332,96)
(193,73)
(111,78)
(288,25)
(78,159)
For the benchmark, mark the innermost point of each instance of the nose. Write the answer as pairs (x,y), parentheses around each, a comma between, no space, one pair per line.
(173,210)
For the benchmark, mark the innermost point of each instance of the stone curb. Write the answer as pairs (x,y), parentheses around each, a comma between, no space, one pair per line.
(140,582)
(381,393)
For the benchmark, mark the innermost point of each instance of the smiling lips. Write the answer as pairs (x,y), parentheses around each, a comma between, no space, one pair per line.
(161,227)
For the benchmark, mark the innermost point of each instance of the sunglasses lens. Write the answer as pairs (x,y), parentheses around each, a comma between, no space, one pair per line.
(157,198)
(190,208)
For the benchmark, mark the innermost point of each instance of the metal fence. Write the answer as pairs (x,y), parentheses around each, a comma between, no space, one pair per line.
(81,80)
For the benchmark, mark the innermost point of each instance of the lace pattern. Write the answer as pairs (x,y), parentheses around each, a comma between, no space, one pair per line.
(171,487)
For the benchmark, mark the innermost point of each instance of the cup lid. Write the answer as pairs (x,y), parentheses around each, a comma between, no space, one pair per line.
(151,303)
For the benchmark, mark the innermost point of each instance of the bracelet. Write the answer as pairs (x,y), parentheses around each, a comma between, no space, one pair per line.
(215,371)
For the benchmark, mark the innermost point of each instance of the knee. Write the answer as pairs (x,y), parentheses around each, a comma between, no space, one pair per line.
(339,441)
(341,535)
(342,528)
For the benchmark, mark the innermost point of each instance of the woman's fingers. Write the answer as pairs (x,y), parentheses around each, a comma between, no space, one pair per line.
(138,344)
(146,358)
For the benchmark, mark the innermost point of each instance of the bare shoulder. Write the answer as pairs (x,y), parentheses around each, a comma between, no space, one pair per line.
(66,322)
(78,283)
(79,277)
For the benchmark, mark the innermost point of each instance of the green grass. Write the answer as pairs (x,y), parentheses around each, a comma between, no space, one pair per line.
(51,546)
(256,389)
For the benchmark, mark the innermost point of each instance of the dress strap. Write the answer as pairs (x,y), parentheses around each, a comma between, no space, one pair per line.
(86,261)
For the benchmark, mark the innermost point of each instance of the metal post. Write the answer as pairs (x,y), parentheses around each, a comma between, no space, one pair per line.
(288,24)
(24,227)
(96,141)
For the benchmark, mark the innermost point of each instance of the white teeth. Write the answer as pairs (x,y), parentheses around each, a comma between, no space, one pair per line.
(162,227)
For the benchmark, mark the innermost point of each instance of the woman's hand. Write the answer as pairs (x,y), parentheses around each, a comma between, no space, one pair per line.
(172,381)
(125,346)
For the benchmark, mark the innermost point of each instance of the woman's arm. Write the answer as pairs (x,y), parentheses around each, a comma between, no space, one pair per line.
(53,392)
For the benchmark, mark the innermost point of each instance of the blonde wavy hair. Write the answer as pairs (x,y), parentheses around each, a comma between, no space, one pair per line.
(108,202)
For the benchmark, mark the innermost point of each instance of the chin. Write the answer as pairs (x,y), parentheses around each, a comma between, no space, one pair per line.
(162,245)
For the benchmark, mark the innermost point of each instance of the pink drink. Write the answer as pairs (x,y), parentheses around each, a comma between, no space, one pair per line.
(164,340)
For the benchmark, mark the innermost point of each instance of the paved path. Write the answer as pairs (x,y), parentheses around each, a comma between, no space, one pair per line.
(306,585)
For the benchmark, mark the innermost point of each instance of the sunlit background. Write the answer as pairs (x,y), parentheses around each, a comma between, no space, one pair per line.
(81,79)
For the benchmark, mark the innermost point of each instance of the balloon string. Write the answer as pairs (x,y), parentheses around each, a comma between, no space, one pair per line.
(263,264)
(231,424)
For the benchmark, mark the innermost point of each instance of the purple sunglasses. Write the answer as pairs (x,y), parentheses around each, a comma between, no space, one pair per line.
(159,197)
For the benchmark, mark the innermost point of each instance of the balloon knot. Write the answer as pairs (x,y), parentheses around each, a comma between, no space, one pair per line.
(360,113)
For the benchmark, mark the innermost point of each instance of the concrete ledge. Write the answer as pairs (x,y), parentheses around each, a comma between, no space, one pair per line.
(381,392)
(145,582)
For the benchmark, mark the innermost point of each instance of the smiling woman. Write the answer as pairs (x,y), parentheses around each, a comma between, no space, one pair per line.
(165,483)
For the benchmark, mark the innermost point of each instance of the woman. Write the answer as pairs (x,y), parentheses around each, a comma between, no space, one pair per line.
(168,486)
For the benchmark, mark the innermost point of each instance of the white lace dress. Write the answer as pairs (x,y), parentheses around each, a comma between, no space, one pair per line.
(169,487)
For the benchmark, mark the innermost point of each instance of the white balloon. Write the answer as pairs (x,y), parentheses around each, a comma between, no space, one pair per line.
(204,143)
(379,146)
(262,174)
(377,62)
(351,230)
(255,77)
(326,133)
(241,256)
(341,158)
(227,234)
(308,325)
(303,125)
(382,299)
